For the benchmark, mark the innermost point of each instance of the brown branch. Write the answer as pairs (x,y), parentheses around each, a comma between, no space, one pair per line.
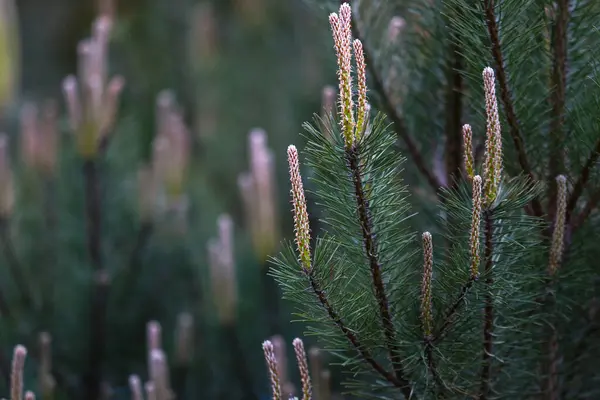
(402,384)
(449,318)
(557,99)
(370,246)
(488,319)
(399,124)
(505,97)
(14,265)
(583,178)
(453,117)
(93,376)
(431,365)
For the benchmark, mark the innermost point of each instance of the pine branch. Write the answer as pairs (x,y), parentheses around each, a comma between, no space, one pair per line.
(402,383)
(431,365)
(15,267)
(370,246)
(99,286)
(453,116)
(505,95)
(488,324)
(557,98)
(453,310)
(390,110)
(583,179)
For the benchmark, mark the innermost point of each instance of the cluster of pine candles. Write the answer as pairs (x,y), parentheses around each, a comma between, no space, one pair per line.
(92,103)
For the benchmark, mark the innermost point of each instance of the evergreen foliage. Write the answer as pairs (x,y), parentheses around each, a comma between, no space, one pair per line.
(500,300)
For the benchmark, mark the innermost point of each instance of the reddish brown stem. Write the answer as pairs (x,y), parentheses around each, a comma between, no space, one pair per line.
(488,318)
(371,252)
(402,384)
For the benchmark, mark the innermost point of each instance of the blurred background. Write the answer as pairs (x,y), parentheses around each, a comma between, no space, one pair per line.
(143,184)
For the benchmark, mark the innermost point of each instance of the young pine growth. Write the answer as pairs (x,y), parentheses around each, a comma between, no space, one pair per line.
(92,98)
(405,327)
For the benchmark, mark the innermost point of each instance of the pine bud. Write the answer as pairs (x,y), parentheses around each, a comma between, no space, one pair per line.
(7,191)
(273,369)
(426,289)
(16,377)
(303,368)
(29,395)
(342,37)
(184,339)
(301,225)
(493,146)
(475,224)
(135,386)
(556,249)
(468,150)
(361,78)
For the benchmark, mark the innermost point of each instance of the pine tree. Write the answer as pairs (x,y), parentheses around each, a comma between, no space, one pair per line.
(498,298)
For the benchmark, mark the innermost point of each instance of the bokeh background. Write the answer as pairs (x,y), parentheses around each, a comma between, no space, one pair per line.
(231,67)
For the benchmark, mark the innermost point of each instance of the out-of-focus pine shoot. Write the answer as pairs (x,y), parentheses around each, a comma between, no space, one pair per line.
(135,387)
(39,138)
(159,373)
(252,12)
(184,339)
(258,190)
(47,383)
(10,53)
(395,28)
(92,99)
(223,273)
(204,47)
(7,191)
(171,147)
(279,347)
(316,366)
(328,109)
